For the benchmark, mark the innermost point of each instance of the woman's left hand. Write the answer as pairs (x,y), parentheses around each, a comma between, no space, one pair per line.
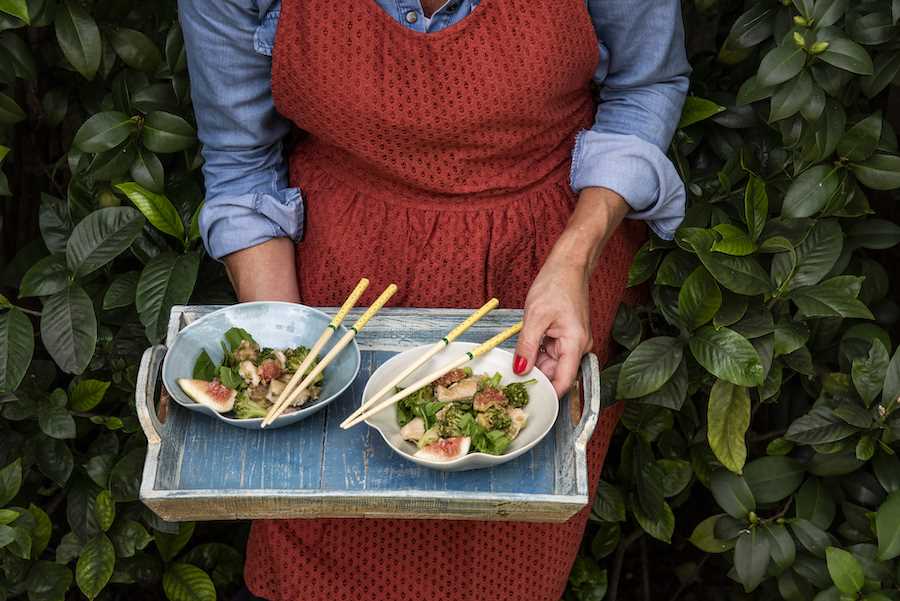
(557,330)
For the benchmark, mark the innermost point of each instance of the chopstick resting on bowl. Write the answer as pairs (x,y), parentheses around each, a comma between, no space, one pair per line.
(330,329)
(426,380)
(434,350)
(284,401)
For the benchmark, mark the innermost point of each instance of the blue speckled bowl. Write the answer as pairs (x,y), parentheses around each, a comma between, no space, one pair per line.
(272,324)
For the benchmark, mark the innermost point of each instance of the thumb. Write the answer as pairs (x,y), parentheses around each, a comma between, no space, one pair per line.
(528,343)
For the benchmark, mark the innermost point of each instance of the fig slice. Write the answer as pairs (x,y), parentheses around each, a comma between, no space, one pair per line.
(213,394)
(445,449)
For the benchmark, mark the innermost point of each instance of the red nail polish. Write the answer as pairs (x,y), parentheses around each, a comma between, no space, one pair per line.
(519,364)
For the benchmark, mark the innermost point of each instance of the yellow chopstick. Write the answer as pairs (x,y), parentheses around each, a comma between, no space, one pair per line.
(284,401)
(426,380)
(325,337)
(431,352)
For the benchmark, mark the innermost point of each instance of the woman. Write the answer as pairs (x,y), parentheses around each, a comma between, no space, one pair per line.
(450,147)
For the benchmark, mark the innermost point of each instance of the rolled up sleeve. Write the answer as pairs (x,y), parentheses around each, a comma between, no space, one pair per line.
(643,78)
(248,198)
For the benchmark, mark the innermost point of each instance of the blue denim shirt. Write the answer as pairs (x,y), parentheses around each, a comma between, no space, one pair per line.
(643,74)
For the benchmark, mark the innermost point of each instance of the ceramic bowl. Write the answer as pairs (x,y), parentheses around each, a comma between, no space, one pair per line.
(542,408)
(272,324)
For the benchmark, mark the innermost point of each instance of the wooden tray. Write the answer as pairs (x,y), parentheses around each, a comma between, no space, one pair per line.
(198,468)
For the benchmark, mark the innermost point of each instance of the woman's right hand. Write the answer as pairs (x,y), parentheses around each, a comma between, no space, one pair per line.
(267,271)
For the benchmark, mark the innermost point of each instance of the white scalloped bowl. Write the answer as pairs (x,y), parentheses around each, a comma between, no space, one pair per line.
(542,408)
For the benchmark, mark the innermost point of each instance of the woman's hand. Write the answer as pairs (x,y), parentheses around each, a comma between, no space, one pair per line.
(557,330)
(267,271)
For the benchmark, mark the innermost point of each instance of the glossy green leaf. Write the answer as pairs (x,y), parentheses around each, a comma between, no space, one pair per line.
(699,298)
(845,571)
(860,141)
(753,91)
(733,241)
(128,537)
(814,539)
(772,479)
(48,581)
(887,527)
(828,12)
(868,372)
(886,69)
(811,191)
(659,526)
(832,298)
(781,545)
(819,426)
(814,502)
(167,280)
(105,510)
(848,55)
(170,544)
(756,206)
(87,394)
(54,459)
(887,469)
(121,291)
(789,336)
(673,393)
(890,394)
(158,209)
(47,276)
(751,557)
(135,49)
(16,348)
(95,566)
(627,327)
(728,417)
(873,233)
(147,171)
(125,477)
(10,481)
(643,266)
(609,504)
(677,475)
(732,494)
(743,275)
(56,422)
(791,96)
(727,355)
(102,236)
(69,329)
(184,582)
(16,8)
(879,172)
(704,538)
(164,132)
(752,27)
(104,131)
(648,367)
(780,65)
(10,112)
(698,109)
(78,37)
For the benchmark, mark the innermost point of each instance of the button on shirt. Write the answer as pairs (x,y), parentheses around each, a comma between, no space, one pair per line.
(642,74)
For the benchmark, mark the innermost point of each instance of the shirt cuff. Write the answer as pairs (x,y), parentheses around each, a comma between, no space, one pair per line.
(636,170)
(232,223)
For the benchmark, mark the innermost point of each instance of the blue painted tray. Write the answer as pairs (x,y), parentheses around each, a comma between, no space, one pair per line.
(198,468)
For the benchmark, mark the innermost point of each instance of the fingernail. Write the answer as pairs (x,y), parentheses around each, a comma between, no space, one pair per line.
(519,364)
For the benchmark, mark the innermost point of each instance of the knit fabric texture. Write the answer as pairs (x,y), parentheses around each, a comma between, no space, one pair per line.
(454,213)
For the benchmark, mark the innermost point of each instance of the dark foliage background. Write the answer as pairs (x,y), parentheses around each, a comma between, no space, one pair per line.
(757,455)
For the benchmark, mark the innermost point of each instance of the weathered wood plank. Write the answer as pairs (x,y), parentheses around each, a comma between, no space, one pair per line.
(201,468)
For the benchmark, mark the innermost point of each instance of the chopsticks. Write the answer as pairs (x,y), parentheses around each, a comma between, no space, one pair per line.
(434,350)
(325,337)
(284,401)
(426,380)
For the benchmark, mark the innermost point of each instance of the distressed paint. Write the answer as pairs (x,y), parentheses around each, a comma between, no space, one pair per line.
(198,468)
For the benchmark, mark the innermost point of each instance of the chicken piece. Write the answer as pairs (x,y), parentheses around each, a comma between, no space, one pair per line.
(280,358)
(414,430)
(258,393)
(248,372)
(451,377)
(518,419)
(276,387)
(483,420)
(246,351)
(269,370)
(302,397)
(489,397)
(461,391)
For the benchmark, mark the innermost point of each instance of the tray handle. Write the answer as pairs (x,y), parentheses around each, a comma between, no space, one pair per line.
(590,399)
(147,389)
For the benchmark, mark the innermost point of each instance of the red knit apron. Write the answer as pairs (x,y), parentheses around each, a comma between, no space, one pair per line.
(440,162)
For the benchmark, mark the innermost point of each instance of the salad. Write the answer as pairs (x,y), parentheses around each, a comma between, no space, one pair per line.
(460,413)
(249,379)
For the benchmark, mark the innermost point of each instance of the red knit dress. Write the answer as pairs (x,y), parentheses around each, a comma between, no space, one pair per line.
(440,162)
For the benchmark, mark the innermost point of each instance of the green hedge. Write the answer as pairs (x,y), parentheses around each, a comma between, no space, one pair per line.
(760,433)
